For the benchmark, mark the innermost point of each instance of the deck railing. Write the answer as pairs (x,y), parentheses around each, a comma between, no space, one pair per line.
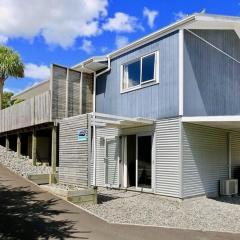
(30,112)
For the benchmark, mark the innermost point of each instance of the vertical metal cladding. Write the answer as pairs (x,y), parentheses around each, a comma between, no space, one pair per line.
(73,151)
(156,101)
(210,77)
(205,159)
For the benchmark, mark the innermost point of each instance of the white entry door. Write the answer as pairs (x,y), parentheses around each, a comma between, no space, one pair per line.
(112,162)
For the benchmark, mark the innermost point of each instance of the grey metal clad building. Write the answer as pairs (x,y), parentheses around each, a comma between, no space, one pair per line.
(160,115)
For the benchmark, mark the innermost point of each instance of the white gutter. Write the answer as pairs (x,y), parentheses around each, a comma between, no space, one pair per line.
(95,75)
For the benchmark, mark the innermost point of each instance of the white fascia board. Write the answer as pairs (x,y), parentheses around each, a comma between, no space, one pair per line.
(151,37)
(196,20)
(211,119)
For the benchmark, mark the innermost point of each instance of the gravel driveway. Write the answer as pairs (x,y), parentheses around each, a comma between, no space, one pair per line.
(119,206)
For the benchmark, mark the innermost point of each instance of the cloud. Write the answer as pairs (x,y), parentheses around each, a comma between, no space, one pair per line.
(87,46)
(3,39)
(121,41)
(150,15)
(38,72)
(180,15)
(104,49)
(59,22)
(122,22)
(13,90)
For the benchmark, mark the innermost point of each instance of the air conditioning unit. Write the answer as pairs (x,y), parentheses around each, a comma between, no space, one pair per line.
(229,187)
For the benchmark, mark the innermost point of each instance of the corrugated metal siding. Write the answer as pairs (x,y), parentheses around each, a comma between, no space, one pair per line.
(235,154)
(205,159)
(167,159)
(73,155)
(160,100)
(101,134)
(210,77)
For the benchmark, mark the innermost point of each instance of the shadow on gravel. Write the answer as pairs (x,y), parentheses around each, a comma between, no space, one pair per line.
(231,200)
(22,216)
(106,197)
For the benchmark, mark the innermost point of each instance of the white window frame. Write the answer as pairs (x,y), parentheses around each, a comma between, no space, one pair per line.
(145,83)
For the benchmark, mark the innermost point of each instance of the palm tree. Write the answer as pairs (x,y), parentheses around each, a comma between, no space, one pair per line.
(11,65)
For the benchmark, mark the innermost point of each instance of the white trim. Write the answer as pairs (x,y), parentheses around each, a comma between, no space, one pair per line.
(146,39)
(125,167)
(212,119)
(141,84)
(186,22)
(66,97)
(181,159)
(181,71)
(229,155)
(80,95)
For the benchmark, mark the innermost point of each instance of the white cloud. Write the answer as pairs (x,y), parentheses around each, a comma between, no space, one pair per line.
(104,49)
(122,22)
(60,22)
(3,39)
(121,41)
(150,15)
(13,90)
(87,46)
(39,72)
(180,15)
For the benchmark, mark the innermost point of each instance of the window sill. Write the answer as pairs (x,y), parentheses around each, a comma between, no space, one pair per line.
(143,85)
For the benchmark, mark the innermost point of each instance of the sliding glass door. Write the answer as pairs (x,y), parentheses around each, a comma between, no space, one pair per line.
(144,162)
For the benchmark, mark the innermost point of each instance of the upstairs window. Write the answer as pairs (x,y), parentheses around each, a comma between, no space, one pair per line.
(140,72)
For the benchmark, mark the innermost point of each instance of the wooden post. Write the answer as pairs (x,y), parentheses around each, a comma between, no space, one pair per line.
(34,147)
(7,143)
(18,145)
(53,155)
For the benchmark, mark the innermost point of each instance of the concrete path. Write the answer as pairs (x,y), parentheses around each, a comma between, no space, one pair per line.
(27,212)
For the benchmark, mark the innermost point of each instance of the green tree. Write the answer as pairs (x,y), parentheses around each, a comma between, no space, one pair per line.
(11,65)
(7,100)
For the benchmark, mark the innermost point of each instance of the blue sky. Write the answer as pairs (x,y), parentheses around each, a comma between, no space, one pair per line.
(68,31)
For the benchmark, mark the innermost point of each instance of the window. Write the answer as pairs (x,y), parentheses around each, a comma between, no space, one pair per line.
(139,72)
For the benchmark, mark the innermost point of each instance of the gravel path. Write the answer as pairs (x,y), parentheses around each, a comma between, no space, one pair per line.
(119,206)
(22,166)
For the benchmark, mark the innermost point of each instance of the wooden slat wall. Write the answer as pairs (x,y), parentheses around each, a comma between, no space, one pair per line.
(73,155)
(87,93)
(33,111)
(68,93)
(73,93)
(58,85)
